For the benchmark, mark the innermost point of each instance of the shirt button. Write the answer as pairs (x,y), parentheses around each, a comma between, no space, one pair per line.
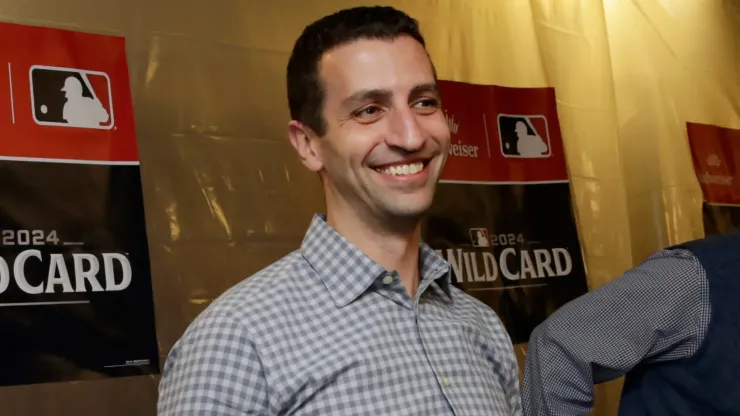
(388,279)
(446,381)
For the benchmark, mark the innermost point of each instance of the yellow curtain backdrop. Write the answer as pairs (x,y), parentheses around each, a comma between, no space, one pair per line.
(673,62)
(225,195)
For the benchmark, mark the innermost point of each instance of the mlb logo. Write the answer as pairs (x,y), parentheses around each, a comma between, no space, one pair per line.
(479,237)
(524,136)
(71,97)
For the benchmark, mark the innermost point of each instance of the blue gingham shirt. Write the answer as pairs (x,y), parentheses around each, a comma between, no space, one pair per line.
(327,331)
(657,311)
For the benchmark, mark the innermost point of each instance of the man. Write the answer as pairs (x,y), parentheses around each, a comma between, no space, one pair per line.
(363,319)
(671,324)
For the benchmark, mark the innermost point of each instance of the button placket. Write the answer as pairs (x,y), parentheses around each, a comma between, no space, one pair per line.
(445,383)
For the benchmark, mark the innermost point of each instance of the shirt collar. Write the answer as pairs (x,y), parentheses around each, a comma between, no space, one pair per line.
(347,272)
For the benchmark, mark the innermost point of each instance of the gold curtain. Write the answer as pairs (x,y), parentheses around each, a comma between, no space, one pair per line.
(225,195)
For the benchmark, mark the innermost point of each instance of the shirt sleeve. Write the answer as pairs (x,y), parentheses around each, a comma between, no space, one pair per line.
(213,370)
(508,372)
(513,393)
(656,311)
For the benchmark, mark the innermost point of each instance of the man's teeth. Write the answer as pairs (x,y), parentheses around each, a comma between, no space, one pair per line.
(403,169)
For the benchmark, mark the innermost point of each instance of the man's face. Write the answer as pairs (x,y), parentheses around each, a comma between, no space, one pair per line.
(387,139)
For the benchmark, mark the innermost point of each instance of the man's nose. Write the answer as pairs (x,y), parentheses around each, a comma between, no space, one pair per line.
(405,132)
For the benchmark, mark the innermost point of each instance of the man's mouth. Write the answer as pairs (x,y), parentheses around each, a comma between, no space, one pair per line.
(403,169)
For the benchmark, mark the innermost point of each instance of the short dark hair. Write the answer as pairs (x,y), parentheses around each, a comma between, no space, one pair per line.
(305,90)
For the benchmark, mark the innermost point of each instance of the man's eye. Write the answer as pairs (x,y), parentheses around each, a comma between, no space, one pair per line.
(426,106)
(368,111)
(368,114)
(428,102)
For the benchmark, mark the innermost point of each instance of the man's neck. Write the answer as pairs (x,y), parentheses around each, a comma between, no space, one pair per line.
(391,247)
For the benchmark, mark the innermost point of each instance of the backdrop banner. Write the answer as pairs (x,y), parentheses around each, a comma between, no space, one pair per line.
(75,284)
(715,152)
(503,215)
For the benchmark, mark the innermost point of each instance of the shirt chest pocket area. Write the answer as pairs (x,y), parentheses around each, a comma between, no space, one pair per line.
(316,376)
(469,359)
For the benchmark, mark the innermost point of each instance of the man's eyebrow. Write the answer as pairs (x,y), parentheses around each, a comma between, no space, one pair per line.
(425,88)
(384,95)
(361,96)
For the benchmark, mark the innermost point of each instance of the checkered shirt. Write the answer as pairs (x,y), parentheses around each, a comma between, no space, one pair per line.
(658,311)
(327,331)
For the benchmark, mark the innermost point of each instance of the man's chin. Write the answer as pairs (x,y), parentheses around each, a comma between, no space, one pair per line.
(411,208)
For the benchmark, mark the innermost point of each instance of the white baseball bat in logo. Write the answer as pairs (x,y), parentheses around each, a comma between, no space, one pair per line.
(88,85)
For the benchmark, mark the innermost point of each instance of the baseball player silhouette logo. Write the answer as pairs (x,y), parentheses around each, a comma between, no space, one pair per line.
(71,97)
(479,237)
(524,136)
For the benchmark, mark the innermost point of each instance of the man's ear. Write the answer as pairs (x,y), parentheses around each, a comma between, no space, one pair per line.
(301,137)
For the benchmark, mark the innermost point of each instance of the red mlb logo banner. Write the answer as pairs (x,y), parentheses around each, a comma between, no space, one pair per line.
(61,105)
(502,135)
(75,281)
(502,215)
(715,152)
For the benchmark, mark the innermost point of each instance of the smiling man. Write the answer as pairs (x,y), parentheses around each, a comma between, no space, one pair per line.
(363,318)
